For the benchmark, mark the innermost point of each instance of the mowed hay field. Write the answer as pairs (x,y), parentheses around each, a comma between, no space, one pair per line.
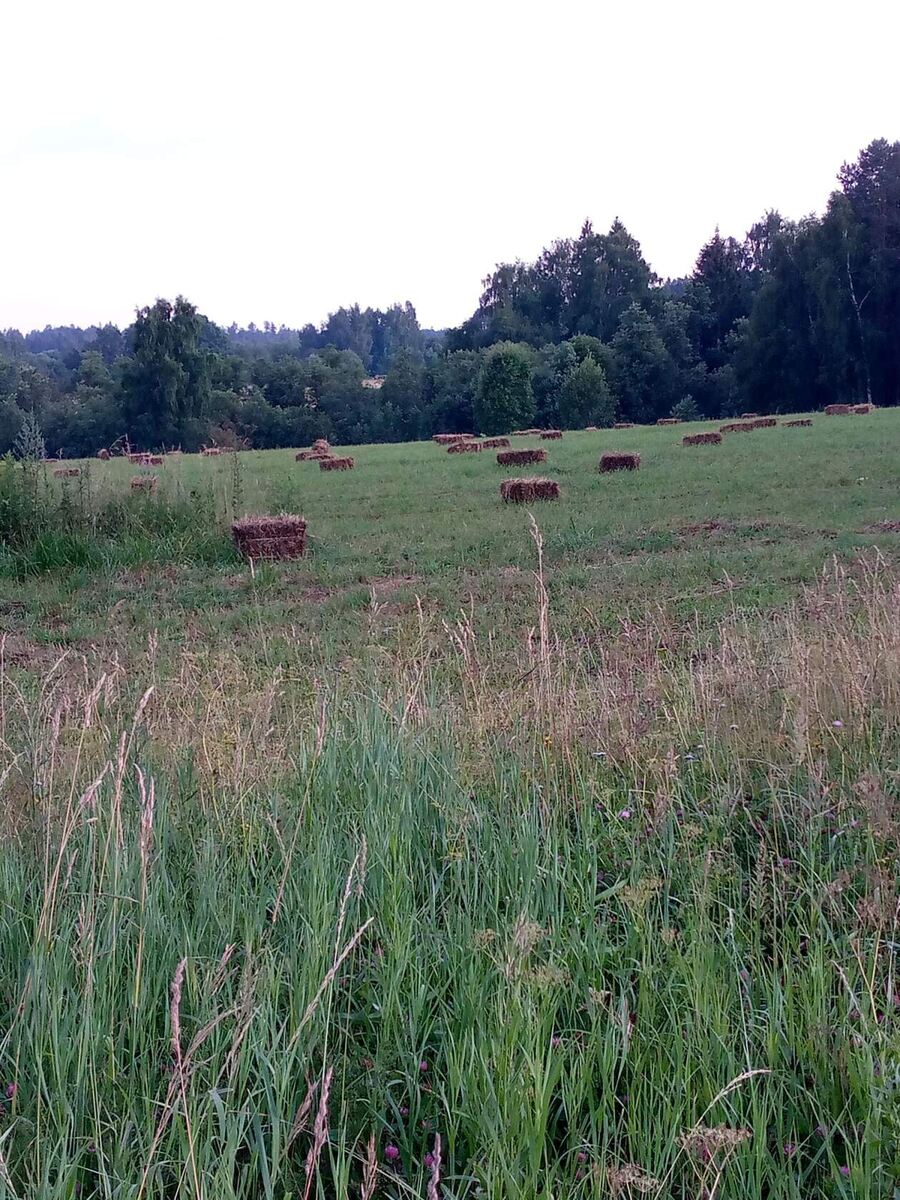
(467,856)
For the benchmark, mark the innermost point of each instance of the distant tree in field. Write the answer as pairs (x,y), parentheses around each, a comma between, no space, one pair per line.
(643,374)
(686,409)
(401,396)
(166,386)
(585,398)
(504,400)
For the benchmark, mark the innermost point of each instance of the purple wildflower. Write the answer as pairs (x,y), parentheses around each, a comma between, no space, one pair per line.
(423,1065)
(10,1091)
(845,1171)
(790,1149)
(624,814)
(391,1152)
(429,1160)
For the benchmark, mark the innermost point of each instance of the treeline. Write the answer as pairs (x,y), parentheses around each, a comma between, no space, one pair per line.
(794,316)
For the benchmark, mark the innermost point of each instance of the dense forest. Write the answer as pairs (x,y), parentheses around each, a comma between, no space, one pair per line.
(794,316)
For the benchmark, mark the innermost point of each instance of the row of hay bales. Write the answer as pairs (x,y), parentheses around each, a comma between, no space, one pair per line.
(320,452)
(844,410)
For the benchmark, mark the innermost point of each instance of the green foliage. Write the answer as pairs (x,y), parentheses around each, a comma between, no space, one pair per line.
(585,398)
(686,410)
(504,400)
(29,445)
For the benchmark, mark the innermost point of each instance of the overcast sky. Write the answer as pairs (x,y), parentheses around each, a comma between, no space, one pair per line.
(274,161)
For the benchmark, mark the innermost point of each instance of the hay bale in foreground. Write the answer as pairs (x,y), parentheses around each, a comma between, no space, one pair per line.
(512,458)
(103,455)
(838,410)
(551,435)
(525,491)
(668,421)
(495,443)
(270,537)
(701,439)
(617,461)
(145,483)
(333,463)
(464,447)
(624,425)
(798,422)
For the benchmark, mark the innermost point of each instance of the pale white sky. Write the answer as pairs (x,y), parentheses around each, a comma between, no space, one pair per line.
(274,161)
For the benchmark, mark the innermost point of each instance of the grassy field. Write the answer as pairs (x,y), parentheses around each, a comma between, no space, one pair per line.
(466,857)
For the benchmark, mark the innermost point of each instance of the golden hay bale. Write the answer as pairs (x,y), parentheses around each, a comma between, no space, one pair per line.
(618,461)
(862,409)
(463,447)
(738,427)
(66,472)
(624,425)
(509,458)
(797,423)
(591,429)
(144,483)
(838,410)
(701,439)
(447,439)
(336,464)
(210,451)
(668,421)
(765,422)
(551,435)
(495,443)
(525,491)
(103,455)
(270,537)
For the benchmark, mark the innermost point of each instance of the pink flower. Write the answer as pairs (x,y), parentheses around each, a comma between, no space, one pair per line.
(845,1171)
(789,1149)
(391,1152)
(624,814)
(423,1065)
(10,1091)
(429,1160)
(556,1041)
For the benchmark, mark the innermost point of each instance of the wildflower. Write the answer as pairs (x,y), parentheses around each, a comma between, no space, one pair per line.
(789,1149)
(624,814)
(10,1091)
(429,1160)
(838,724)
(845,1171)
(391,1152)
(556,1041)
(404,1111)
(423,1065)
(821,1131)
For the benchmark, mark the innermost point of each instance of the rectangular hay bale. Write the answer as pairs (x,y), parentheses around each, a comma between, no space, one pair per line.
(797,423)
(624,425)
(618,461)
(510,458)
(495,443)
(66,473)
(463,447)
(701,439)
(551,435)
(838,410)
(270,538)
(525,491)
(333,463)
(668,421)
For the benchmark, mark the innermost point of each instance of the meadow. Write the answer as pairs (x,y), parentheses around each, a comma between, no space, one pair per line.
(481,852)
